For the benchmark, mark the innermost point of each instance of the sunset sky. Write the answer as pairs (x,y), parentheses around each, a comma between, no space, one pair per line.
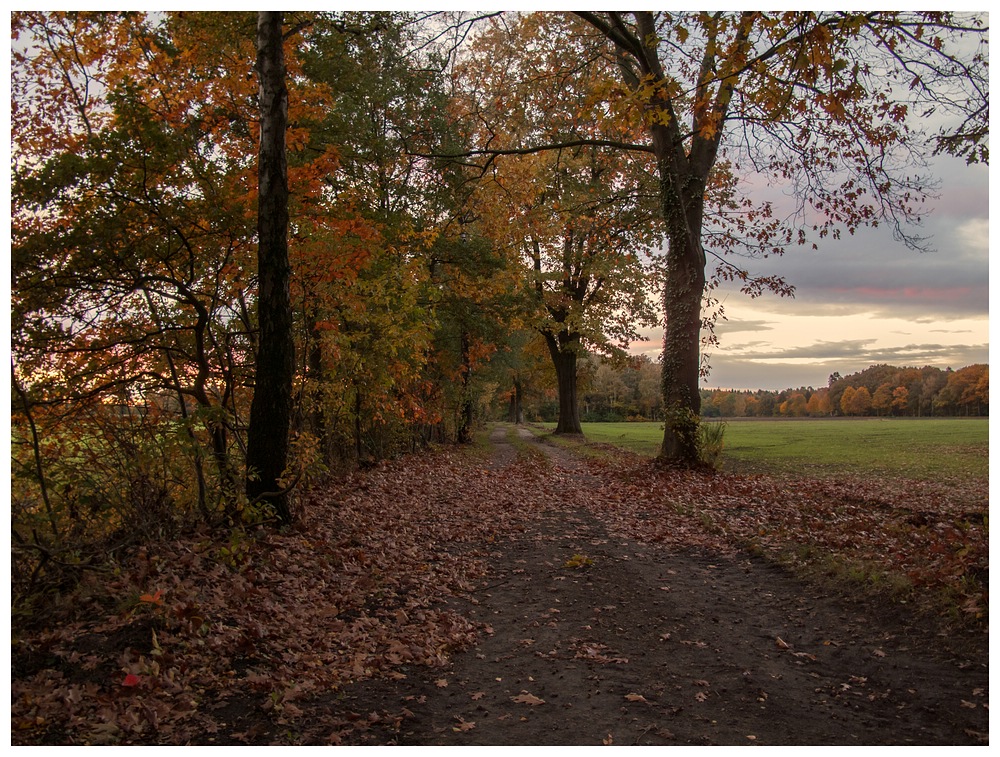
(866,299)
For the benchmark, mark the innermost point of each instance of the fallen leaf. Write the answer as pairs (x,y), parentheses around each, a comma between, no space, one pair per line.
(133,680)
(878,653)
(636,698)
(463,725)
(478,695)
(969,705)
(782,644)
(578,561)
(153,599)
(608,741)
(525,698)
(441,683)
(700,682)
(701,696)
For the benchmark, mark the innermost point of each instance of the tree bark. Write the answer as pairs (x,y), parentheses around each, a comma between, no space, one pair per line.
(516,413)
(316,371)
(467,409)
(682,299)
(271,409)
(564,358)
(682,206)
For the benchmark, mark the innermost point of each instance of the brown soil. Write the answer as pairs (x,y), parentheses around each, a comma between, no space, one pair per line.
(647,644)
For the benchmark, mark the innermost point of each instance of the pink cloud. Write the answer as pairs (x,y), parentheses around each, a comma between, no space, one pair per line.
(929,294)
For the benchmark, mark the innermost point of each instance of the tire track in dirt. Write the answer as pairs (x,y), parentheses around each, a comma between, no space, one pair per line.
(591,639)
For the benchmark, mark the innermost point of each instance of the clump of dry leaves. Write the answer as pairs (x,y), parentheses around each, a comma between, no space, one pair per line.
(932,537)
(354,589)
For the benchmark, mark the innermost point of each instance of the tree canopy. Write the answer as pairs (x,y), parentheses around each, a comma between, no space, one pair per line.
(455,184)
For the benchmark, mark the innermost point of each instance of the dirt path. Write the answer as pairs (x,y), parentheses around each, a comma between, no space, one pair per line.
(594,639)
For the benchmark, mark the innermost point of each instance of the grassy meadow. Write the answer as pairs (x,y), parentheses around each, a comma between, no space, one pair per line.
(918,448)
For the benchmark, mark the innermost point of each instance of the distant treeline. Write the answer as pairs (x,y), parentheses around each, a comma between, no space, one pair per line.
(621,392)
(880,390)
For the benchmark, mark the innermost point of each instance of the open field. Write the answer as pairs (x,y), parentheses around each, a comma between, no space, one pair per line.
(920,448)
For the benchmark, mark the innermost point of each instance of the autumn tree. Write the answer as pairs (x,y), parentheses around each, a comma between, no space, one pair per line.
(134,286)
(400,306)
(900,399)
(967,390)
(802,98)
(846,401)
(589,285)
(580,216)
(819,403)
(130,236)
(882,399)
(856,401)
(796,99)
(795,406)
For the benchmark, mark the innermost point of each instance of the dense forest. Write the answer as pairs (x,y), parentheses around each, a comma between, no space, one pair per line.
(251,250)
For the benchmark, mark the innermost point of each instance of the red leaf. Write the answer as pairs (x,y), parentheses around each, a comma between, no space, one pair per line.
(131,680)
(153,599)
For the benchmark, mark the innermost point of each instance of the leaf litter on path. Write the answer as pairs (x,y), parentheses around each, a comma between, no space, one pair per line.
(337,630)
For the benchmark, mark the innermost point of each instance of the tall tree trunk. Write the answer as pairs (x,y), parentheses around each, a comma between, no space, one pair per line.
(316,372)
(359,451)
(564,358)
(682,205)
(516,412)
(271,409)
(468,410)
(681,359)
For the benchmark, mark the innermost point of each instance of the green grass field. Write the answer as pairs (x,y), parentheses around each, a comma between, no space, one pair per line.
(933,448)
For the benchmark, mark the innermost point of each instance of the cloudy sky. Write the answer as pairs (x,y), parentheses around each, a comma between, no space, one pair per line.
(866,299)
